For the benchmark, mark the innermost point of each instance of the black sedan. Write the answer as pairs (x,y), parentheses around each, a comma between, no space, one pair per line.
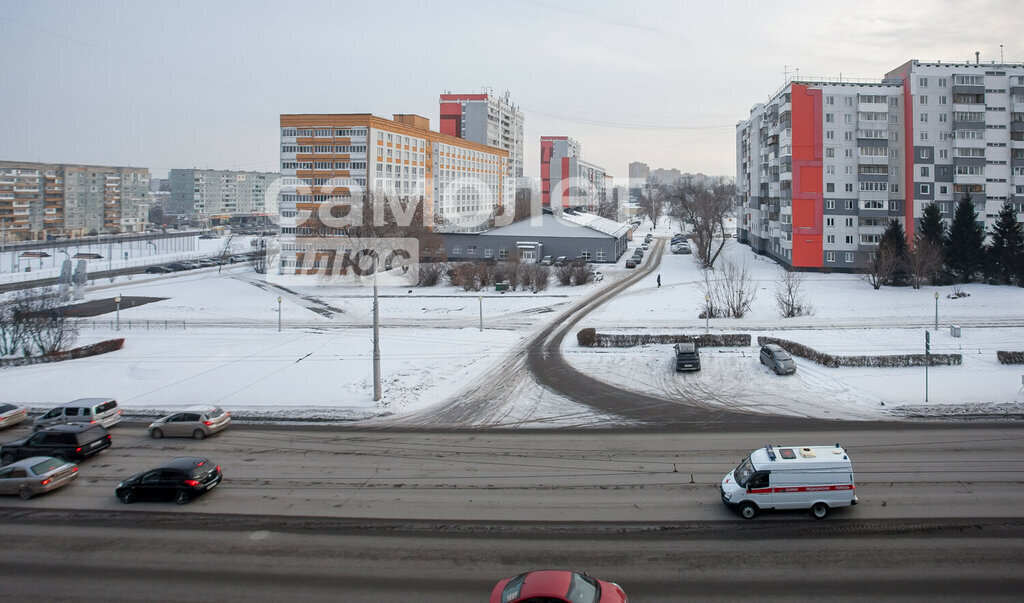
(179,480)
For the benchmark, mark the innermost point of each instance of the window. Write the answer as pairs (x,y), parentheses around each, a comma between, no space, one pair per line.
(849,204)
(503,254)
(488,252)
(848,258)
(925,171)
(600,255)
(849,187)
(923,136)
(849,222)
(830,239)
(830,118)
(926,189)
(847,136)
(585,254)
(830,187)
(924,118)
(830,222)
(847,119)
(830,256)
(922,82)
(926,154)
(830,152)
(456,250)
(943,189)
(849,239)
(830,135)
(830,204)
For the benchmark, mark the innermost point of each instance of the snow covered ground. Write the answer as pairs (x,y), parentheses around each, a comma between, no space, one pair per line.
(215,340)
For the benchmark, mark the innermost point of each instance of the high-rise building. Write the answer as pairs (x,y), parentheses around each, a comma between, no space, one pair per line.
(50,199)
(822,166)
(462,184)
(562,171)
(490,120)
(206,192)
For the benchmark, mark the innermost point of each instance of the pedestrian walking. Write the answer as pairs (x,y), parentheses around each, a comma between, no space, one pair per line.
(659,281)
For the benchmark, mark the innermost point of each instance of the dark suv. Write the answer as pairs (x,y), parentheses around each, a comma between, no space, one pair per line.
(72,442)
(687,357)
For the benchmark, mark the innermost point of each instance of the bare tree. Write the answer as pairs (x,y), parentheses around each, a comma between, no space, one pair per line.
(608,209)
(881,269)
(706,207)
(924,260)
(13,331)
(258,258)
(730,290)
(789,295)
(652,200)
(35,321)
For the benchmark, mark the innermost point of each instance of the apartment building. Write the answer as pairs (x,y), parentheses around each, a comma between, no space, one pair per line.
(38,200)
(462,184)
(489,120)
(208,192)
(823,166)
(563,173)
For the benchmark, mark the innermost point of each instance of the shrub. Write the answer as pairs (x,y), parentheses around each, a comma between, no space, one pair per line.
(431,274)
(587,338)
(1010,357)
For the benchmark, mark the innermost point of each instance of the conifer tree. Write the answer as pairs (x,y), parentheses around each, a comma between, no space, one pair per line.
(965,252)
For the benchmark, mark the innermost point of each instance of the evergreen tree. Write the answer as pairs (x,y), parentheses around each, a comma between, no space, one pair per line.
(1006,250)
(933,227)
(893,247)
(965,252)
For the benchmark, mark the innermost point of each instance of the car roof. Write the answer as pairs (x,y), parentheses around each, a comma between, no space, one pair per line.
(552,583)
(70,428)
(774,347)
(32,460)
(87,401)
(184,463)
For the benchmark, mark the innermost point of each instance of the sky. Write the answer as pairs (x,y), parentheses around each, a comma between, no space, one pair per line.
(180,84)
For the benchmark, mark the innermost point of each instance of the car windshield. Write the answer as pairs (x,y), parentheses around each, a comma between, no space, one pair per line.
(46,466)
(782,355)
(216,413)
(743,472)
(582,590)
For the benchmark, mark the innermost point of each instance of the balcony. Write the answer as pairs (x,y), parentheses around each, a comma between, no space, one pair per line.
(872,107)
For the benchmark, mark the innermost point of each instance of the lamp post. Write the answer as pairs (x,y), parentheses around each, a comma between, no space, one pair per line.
(117,301)
(481,298)
(936,310)
(707,313)
(278,313)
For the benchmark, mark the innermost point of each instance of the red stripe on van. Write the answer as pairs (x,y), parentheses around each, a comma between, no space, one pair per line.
(802,489)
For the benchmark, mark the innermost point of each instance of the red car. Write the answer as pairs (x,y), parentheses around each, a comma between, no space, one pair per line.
(557,585)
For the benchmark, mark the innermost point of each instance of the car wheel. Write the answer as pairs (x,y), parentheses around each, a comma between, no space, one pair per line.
(198,434)
(8,458)
(181,497)
(156,434)
(25,493)
(819,510)
(128,497)
(748,510)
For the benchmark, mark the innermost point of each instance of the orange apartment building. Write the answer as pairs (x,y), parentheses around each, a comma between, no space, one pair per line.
(44,199)
(462,184)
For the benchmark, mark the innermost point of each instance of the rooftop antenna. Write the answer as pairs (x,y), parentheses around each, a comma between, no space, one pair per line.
(977,57)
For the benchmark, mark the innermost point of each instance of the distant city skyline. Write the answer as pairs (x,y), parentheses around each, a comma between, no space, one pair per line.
(202,85)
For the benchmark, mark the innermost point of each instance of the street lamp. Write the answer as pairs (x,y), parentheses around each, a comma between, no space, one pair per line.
(117,301)
(481,298)
(936,310)
(278,313)
(707,313)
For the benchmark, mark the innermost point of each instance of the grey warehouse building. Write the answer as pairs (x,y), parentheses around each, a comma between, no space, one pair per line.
(573,235)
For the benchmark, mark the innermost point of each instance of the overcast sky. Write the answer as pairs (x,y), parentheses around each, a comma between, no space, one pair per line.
(175,84)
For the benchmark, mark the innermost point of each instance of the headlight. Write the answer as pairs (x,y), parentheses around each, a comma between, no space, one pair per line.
(121,485)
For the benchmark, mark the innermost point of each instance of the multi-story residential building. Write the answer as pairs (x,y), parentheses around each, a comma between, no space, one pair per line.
(462,184)
(208,192)
(489,120)
(578,183)
(823,166)
(638,174)
(47,199)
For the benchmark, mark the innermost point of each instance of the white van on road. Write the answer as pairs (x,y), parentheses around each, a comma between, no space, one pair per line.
(84,410)
(818,478)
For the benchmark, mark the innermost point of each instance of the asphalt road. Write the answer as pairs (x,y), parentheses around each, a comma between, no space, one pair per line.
(366,515)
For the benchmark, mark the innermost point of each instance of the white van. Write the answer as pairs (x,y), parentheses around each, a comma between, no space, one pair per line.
(102,411)
(818,478)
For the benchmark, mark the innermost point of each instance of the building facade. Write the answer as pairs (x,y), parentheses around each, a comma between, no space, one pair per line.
(485,119)
(326,158)
(822,167)
(40,200)
(209,192)
(565,178)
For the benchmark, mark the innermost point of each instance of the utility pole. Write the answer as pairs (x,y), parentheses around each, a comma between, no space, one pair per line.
(481,298)
(927,360)
(376,337)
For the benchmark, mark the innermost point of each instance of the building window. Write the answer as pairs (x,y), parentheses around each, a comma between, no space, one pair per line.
(925,172)
(849,239)
(926,189)
(600,255)
(503,254)
(849,204)
(830,187)
(585,254)
(924,118)
(830,204)
(830,256)
(830,222)
(849,187)
(456,250)
(830,239)
(849,222)
(922,82)
(488,252)
(922,100)
(849,258)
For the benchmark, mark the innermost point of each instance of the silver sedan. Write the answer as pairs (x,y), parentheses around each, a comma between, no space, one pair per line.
(36,475)
(11,415)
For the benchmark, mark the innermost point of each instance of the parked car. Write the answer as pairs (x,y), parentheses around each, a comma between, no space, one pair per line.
(687,356)
(237,259)
(560,261)
(11,415)
(545,261)
(180,480)
(556,585)
(645,246)
(631,263)
(778,359)
(102,411)
(207,263)
(682,248)
(639,251)
(177,267)
(191,265)
(197,422)
(648,238)
(35,475)
(159,270)
(69,442)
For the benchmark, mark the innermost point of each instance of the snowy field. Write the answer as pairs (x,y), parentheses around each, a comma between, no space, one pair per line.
(215,340)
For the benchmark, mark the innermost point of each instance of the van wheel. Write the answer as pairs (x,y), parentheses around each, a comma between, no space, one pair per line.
(156,434)
(198,434)
(25,493)
(819,510)
(181,497)
(748,510)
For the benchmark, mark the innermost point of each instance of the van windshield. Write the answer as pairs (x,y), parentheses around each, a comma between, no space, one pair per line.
(743,472)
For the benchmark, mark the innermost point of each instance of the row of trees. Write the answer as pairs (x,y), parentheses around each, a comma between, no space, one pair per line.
(703,203)
(33,323)
(953,254)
